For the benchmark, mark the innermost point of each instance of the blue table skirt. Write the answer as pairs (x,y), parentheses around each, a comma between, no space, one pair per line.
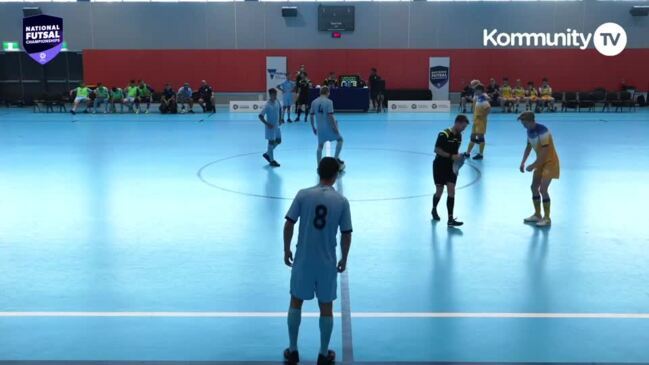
(346,98)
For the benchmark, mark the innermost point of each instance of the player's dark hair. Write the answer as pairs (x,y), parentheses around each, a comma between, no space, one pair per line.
(324,90)
(479,87)
(505,79)
(272,91)
(461,118)
(373,69)
(328,168)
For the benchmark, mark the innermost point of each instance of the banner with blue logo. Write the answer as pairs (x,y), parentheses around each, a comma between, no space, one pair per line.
(439,77)
(42,37)
(275,73)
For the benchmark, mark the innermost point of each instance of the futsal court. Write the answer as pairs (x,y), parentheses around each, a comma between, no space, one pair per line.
(127,239)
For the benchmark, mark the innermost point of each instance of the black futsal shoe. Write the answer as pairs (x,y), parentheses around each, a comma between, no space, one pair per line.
(452,222)
(291,357)
(330,359)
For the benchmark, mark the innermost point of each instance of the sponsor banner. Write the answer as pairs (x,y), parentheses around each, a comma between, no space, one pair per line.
(610,39)
(42,37)
(419,106)
(439,77)
(275,73)
(247,106)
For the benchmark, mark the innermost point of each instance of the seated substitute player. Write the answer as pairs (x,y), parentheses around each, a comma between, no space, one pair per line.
(507,96)
(206,97)
(82,96)
(168,101)
(102,96)
(271,116)
(531,96)
(116,97)
(519,94)
(546,166)
(145,95)
(185,96)
(493,92)
(547,101)
(447,150)
(287,88)
(321,211)
(331,81)
(327,130)
(131,99)
(466,97)
(481,109)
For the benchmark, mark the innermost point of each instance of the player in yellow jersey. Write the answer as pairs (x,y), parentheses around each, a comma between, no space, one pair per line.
(481,109)
(546,166)
(507,96)
(519,94)
(547,101)
(531,96)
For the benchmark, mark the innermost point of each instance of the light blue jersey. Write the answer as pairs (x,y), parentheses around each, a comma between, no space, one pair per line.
(322,107)
(321,211)
(271,112)
(287,92)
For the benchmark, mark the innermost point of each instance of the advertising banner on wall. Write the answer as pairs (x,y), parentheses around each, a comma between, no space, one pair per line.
(419,106)
(439,74)
(42,37)
(275,73)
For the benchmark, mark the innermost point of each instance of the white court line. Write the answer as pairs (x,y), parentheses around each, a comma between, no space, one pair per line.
(337,314)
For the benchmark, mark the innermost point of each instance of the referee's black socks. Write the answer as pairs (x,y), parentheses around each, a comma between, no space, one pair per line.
(450,203)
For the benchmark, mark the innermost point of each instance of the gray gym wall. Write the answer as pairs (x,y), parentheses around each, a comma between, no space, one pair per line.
(259,25)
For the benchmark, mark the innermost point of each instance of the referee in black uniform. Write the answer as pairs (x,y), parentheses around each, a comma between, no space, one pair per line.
(447,152)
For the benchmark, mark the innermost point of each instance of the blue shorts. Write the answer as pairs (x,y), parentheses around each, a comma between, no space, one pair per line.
(273,134)
(307,284)
(287,100)
(328,135)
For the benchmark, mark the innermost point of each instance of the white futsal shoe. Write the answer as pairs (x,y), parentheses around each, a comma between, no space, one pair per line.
(545,222)
(532,219)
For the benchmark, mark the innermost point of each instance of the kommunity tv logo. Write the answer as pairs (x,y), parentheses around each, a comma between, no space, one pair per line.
(609,39)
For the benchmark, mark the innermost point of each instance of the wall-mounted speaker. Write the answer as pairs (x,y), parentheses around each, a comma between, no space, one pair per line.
(640,10)
(31,11)
(289,11)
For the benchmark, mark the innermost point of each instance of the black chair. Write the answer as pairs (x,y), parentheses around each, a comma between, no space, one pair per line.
(558,98)
(570,101)
(598,96)
(611,97)
(625,99)
(586,101)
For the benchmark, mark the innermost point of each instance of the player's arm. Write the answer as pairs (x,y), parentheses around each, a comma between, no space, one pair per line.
(289,226)
(312,119)
(292,216)
(345,236)
(345,245)
(526,154)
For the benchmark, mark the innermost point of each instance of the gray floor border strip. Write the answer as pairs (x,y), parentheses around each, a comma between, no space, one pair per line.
(346,318)
(47,362)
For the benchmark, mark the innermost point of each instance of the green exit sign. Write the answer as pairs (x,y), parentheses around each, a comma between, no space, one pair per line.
(64,46)
(10,46)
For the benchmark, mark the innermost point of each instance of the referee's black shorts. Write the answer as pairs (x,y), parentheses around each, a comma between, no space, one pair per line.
(443,172)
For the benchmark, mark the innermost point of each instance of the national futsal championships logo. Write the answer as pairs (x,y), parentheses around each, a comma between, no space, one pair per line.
(42,37)
(609,39)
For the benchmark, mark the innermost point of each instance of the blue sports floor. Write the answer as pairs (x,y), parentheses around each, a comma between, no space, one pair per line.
(133,238)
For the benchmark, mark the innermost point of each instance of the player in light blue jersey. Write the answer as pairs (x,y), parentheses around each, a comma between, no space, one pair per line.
(287,87)
(326,126)
(322,211)
(271,117)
